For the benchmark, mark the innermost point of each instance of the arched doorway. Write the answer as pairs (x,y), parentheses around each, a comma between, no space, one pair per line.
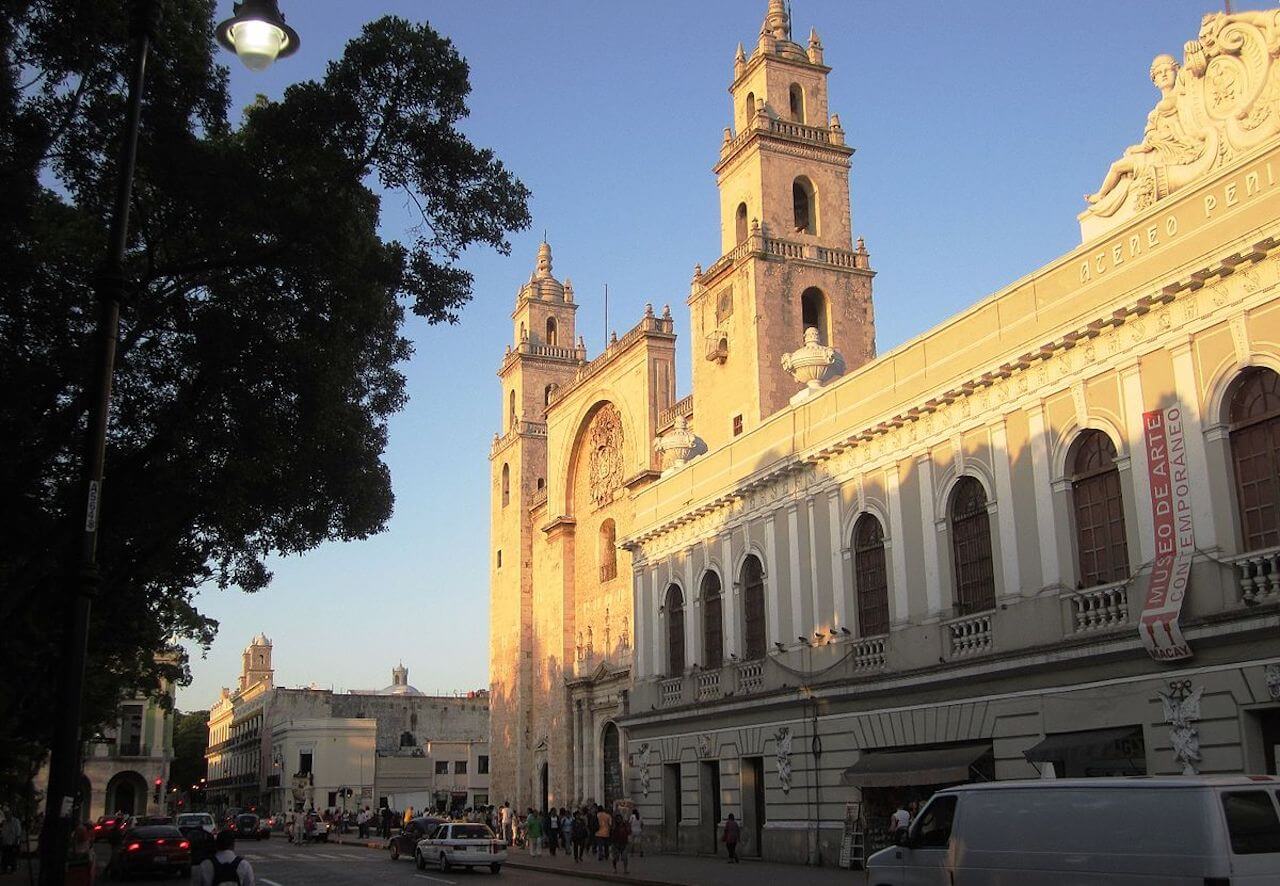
(612,768)
(127,793)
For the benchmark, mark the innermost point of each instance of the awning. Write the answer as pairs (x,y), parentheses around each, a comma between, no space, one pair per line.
(891,769)
(1095,742)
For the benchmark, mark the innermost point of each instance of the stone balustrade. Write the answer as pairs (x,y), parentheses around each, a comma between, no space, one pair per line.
(667,417)
(707,685)
(1100,608)
(790,249)
(751,676)
(1259,575)
(868,654)
(671,692)
(970,635)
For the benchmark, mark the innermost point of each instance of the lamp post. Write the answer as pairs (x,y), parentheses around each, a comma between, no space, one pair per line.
(258,45)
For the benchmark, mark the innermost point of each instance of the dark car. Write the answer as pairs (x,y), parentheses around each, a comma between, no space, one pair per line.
(247,825)
(109,827)
(405,842)
(152,849)
(141,820)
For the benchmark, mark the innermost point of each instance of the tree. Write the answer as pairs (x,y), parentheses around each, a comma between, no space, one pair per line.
(259,349)
(190,738)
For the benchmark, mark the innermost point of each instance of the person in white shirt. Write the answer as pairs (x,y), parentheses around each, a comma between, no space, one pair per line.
(225,866)
(899,820)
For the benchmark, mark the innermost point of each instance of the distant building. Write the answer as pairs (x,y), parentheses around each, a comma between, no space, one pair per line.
(273,748)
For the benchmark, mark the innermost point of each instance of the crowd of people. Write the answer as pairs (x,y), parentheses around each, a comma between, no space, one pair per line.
(588,830)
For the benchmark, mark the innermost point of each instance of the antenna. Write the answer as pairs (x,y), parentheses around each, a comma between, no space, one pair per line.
(606,315)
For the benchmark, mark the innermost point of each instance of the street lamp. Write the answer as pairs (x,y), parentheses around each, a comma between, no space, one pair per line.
(258,34)
(258,49)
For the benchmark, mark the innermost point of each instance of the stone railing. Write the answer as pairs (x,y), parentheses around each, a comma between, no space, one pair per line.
(792,249)
(751,676)
(818,134)
(667,417)
(1259,575)
(671,692)
(868,654)
(970,635)
(708,686)
(650,324)
(1100,608)
(523,427)
(538,498)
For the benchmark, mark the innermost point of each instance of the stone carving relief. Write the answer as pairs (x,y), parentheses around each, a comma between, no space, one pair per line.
(704,745)
(642,765)
(1272,674)
(783,738)
(604,464)
(1181,711)
(1222,101)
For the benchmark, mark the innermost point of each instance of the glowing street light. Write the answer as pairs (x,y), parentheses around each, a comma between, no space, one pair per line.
(257,33)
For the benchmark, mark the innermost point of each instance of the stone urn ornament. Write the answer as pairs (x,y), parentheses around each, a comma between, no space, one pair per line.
(809,365)
(676,446)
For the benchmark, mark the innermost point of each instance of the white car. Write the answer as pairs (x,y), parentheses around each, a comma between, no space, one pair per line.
(197,820)
(460,845)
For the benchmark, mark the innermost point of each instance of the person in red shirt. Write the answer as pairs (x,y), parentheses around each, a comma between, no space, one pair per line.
(732,831)
(619,839)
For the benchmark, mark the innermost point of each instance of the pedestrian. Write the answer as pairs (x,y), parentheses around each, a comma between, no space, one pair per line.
(387,818)
(637,828)
(578,833)
(505,819)
(566,828)
(408,816)
(604,827)
(551,824)
(620,837)
(299,826)
(10,837)
(900,819)
(225,866)
(732,833)
(533,831)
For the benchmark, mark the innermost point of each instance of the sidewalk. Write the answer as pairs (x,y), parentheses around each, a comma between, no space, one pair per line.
(688,870)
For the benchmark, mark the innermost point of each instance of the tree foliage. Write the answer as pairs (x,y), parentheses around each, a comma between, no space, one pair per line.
(190,738)
(260,343)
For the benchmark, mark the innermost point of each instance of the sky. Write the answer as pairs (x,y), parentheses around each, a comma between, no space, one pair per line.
(978,126)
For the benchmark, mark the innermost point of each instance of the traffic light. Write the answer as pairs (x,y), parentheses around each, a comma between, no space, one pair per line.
(159,783)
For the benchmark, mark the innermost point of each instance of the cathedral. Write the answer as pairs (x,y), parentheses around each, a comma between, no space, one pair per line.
(1040,539)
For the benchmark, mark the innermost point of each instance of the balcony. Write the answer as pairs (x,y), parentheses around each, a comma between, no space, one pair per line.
(1098,609)
(1258,573)
(751,676)
(869,654)
(707,686)
(671,692)
(970,635)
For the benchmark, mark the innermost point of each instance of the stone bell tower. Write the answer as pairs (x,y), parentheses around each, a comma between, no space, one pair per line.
(543,357)
(788,257)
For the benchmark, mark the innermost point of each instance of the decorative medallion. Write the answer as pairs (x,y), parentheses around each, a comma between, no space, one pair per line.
(605,462)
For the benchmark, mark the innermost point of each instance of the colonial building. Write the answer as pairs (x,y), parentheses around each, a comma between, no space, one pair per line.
(273,747)
(1041,538)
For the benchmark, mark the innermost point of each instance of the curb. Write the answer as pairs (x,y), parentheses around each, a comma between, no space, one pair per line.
(606,877)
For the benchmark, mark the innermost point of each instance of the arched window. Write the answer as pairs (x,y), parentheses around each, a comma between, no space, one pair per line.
(971,547)
(753,623)
(813,312)
(524,333)
(750,108)
(1254,416)
(740,223)
(675,631)
(608,552)
(1099,510)
(506,485)
(797,103)
(871,579)
(804,205)
(712,624)
(511,410)
(551,331)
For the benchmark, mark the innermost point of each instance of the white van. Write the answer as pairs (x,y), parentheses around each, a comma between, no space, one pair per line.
(1192,831)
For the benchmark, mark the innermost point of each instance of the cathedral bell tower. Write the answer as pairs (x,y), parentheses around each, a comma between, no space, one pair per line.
(788,258)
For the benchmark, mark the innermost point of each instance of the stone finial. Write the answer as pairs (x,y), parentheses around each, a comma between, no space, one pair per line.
(741,55)
(613,337)
(815,47)
(776,21)
(862,245)
(810,364)
(728,135)
(648,309)
(582,343)
(666,312)
(676,446)
(544,260)
(568,291)
(697,270)
(739,62)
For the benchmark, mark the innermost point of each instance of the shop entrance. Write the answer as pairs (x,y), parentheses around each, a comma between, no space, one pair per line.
(671,808)
(753,811)
(709,806)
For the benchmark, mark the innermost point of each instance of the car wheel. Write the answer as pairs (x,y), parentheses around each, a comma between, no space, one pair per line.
(419,860)
(444,862)
(395,851)
(495,868)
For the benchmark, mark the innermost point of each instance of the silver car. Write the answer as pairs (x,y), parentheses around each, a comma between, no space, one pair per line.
(460,845)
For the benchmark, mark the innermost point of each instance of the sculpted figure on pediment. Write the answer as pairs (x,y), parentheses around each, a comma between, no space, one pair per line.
(1222,101)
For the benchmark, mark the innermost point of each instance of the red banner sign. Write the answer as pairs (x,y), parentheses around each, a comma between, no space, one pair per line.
(1174,535)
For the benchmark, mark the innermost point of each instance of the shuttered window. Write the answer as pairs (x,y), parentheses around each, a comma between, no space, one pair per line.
(1255,456)
(971,547)
(871,581)
(1099,511)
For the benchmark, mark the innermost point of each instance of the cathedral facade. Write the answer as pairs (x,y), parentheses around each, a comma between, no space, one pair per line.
(1040,539)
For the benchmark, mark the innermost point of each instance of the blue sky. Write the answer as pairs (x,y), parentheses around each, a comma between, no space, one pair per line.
(978,126)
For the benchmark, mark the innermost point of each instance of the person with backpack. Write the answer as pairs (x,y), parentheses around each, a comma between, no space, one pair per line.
(225,867)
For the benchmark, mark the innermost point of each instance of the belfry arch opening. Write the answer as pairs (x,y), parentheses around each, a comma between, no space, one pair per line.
(552,336)
(796,101)
(740,223)
(750,108)
(804,204)
(813,312)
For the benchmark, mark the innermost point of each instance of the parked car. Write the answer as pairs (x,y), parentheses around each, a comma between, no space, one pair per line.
(109,827)
(142,820)
(152,849)
(405,842)
(197,820)
(1192,831)
(250,827)
(461,845)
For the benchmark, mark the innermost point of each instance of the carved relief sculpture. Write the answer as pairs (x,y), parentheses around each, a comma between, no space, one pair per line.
(604,464)
(1272,673)
(1181,710)
(783,737)
(1223,101)
(642,764)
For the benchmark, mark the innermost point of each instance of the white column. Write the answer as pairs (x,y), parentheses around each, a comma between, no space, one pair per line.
(1131,392)
(639,605)
(928,516)
(692,616)
(897,547)
(815,586)
(578,761)
(655,623)
(771,579)
(837,561)
(729,597)
(1184,382)
(1005,516)
(1040,473)
(793,560)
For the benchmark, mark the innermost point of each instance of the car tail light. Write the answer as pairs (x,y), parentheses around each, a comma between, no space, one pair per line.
(97,827)
(134,847)
(160,842)
(184,845)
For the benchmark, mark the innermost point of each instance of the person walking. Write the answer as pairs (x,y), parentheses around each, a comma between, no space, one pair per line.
(225,866)
(10,837)
(578,833)
(551,824)
(299,826)
(505,819)
(637,829)
(619,839)
(604,828)
(533,831)
(566,828)
(732,833)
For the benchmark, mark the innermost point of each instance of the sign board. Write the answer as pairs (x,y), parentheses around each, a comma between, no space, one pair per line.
(1174,536)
